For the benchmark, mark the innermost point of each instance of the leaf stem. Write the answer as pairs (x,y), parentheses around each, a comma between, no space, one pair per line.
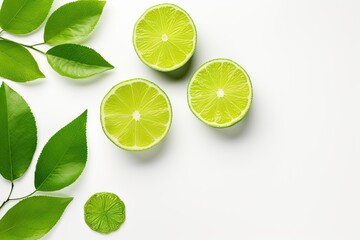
(35,49)
(37,44)
(20,198)
(8,198)
(24,45)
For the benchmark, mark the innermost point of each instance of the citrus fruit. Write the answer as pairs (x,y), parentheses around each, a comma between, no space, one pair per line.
(136,114)
(104,212)
(165,37)
(220,93)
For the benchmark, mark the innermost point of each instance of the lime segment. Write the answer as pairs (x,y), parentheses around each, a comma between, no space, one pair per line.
(165,37)
(220,93)
(136,114)
(104,212)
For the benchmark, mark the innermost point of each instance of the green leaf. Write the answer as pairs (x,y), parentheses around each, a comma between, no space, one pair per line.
(23,16)
(73,22)
(17,63)
(32,218)
(76,61)
(63,158)
(17,134)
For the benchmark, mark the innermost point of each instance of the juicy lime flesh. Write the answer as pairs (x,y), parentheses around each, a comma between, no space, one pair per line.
(136,114)
(165,37)
(220,93)
(104,212)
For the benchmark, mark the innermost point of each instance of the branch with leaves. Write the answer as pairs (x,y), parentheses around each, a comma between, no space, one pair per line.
(60,163)
(65,29)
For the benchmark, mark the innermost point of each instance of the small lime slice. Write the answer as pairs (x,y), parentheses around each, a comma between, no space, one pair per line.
(104,212)
(136,114)
(220,93)
(165,37)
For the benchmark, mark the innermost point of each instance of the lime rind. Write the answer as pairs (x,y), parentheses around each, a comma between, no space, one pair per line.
(129,82)
(104,212)
(234,120)
(189,55)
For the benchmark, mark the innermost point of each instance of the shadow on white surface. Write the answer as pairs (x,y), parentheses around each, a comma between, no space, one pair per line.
(238,130)
(37,82)
(151,155)
(182,73)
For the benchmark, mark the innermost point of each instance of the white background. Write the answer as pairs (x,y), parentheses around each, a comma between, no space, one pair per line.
(291,170)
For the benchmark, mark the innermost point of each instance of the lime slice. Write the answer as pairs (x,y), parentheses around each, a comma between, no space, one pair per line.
(136,114)
(104,212)
(165,37)
(220,93)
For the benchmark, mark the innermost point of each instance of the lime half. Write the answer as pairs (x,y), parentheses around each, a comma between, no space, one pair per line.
(104,212)
(136,114)
(220,93)
(165,37)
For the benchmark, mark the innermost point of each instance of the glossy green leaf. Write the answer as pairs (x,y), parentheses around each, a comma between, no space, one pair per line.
(17,63)
(76,61)
(32,218)
(17,134)
(73,22)
(63,158)
(23,16)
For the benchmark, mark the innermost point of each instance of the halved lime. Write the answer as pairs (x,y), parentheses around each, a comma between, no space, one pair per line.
(104,212)
(165,37)
(136,114)
(220,93)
